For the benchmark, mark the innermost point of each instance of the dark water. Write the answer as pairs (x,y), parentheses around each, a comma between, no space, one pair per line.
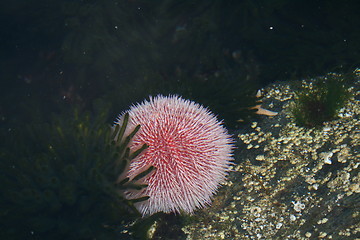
(77,51)
(91,55)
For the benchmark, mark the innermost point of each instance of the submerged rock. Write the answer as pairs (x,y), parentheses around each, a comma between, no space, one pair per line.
(290,182)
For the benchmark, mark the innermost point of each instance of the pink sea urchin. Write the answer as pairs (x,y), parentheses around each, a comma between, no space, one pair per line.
(188,146)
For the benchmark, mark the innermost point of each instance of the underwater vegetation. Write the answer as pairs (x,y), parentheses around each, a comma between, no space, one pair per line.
(161,48)
(60,179)
(89,47)
(228,87)
(321,101)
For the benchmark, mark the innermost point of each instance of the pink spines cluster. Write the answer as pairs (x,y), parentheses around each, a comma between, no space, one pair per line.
(189,148)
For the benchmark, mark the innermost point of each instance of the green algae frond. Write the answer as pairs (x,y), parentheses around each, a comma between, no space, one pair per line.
(59,179)
(320,101)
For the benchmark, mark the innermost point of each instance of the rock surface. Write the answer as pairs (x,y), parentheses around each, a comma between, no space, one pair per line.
(290,182)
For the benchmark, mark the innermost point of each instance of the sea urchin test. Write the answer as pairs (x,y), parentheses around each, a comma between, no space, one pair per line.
(190,149)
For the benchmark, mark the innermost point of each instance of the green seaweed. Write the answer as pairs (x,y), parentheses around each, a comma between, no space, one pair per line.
(320,103)
(60,179)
